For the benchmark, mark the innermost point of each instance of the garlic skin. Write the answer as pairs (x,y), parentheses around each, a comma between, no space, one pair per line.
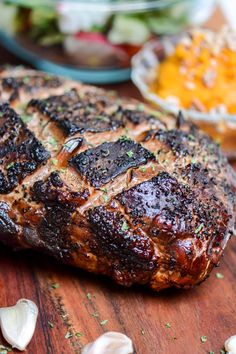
(110,343)
(230,345)
(18,323)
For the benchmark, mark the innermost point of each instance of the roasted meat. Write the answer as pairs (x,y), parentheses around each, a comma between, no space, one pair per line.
(108,185)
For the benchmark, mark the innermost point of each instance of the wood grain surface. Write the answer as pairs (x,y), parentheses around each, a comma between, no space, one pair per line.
(170,322)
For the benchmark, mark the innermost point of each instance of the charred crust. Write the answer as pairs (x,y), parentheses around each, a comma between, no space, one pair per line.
(103,163)
(165,205)
(130,252)
(182,221)
(59,204)
(160,196)
(76,115)
(8,229)
(229,190)
(198,175)
(20,152)
(136,117)
(54,230)
(29,84)
(54,190)
(53,105)
(192,142)
(183,259)
(180,142)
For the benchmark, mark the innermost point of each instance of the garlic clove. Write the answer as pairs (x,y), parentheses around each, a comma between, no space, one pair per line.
(230,345)
(110,343)
(18,323)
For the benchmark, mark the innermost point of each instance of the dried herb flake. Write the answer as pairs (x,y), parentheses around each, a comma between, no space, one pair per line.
(26,118)
(102,323)
(95,314)
(130,153)
(219,276)
(199,228)
(68,335)
(89,296)
(79,334)
(10,165)
(51,325)
(55,285)
(124,226)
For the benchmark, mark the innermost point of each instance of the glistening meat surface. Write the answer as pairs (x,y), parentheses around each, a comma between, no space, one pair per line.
(107,185)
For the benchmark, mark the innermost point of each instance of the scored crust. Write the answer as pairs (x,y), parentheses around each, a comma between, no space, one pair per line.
(108,185)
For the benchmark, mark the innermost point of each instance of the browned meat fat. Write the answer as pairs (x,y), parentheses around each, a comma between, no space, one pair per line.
(109,186)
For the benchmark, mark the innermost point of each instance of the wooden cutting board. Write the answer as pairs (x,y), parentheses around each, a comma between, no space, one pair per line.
(83,301)
(170,322)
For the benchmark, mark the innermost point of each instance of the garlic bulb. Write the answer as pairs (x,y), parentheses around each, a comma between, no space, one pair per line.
(18,323)
(230,345)
(110,343)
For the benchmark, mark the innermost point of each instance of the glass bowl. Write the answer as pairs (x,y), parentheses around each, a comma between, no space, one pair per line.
(220,126)
(92,41)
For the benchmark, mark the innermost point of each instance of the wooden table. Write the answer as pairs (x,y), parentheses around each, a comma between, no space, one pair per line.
(208,310)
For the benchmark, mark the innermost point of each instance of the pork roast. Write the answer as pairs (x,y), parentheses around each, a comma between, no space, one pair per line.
(108,185)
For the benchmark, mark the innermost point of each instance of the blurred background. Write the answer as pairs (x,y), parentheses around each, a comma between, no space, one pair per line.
(94,41)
